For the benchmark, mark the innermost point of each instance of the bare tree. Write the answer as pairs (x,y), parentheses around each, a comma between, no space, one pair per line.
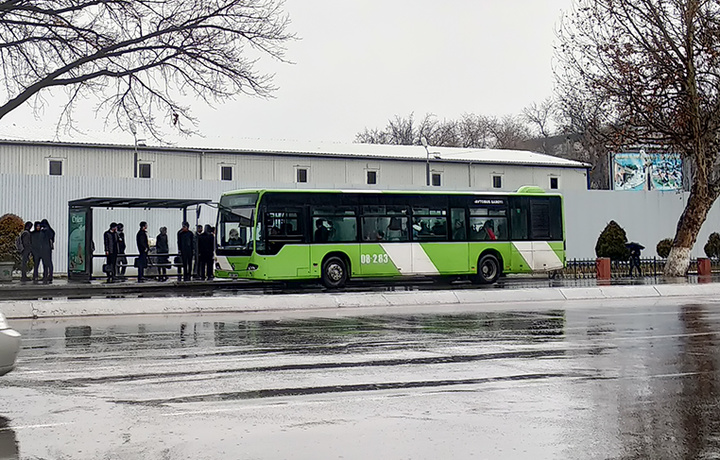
(406,131)
(579,120)
(509,132)
(540,116)
(402,131)
(139,57)
(474,131)
(471,131)
(653,68)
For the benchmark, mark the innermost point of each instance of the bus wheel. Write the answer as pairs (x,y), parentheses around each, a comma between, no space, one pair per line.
(334,273)
(488,269)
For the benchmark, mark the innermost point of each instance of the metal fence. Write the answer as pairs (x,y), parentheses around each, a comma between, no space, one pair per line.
(585,268)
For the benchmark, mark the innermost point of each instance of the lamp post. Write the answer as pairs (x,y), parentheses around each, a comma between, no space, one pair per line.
(427,160)
(133,130)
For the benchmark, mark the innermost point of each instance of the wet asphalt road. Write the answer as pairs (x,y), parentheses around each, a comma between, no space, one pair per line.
(613,379)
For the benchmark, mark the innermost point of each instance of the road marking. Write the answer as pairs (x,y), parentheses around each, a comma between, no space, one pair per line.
(23,427)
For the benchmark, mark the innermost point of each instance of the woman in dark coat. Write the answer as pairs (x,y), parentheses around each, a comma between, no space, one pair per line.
(162,248)
(206,256)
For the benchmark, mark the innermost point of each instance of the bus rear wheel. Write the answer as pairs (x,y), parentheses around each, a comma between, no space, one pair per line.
(334,273)
(488,270)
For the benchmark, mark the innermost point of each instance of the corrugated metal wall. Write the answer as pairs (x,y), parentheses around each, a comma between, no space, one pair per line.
(250,170)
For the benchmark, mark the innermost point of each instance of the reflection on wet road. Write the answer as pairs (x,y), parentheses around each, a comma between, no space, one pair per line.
(597,380)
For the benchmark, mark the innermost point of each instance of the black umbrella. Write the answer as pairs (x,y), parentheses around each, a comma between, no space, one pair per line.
(634,245)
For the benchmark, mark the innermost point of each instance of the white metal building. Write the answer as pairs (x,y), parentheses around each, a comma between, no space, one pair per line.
(289,165)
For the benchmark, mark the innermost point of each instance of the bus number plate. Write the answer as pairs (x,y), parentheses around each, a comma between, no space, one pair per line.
(367,259)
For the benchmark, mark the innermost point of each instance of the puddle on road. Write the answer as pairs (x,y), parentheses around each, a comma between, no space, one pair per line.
(305,391)
(315,335)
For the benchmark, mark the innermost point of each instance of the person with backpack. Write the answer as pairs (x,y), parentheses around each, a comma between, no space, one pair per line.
(24,247)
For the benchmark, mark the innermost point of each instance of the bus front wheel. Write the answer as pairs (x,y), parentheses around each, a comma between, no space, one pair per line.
(334,273)
(488,270)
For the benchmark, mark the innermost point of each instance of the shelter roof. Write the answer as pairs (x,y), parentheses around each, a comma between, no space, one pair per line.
(146,203)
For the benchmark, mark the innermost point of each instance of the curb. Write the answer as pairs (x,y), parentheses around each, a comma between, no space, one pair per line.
(287,302)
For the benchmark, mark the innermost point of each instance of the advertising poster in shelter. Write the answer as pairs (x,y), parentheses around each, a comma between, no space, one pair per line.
(76,248)
(647,171)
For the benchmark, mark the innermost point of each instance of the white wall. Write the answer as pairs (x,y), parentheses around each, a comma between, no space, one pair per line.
(647,218)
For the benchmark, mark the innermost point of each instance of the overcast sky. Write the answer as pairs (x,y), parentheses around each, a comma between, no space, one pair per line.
(360,62)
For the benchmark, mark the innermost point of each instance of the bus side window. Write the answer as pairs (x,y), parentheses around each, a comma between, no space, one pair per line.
(457,217)
(334,224)
(281,228)
(518,219)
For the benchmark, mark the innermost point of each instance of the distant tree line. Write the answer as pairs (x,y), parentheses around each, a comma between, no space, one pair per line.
(471,131)
(549,127)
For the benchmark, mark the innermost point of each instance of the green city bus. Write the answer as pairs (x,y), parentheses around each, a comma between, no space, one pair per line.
(336,235)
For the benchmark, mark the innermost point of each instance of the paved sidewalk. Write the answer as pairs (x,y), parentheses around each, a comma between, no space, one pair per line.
(258,301)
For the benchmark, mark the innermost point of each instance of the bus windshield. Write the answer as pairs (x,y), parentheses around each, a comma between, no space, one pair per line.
(235,222)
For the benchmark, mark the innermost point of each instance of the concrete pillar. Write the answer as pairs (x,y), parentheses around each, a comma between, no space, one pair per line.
(602,268)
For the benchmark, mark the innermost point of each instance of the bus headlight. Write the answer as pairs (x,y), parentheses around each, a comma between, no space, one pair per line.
(252,267)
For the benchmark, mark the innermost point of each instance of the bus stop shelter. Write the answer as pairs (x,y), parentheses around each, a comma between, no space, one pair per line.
(80,226)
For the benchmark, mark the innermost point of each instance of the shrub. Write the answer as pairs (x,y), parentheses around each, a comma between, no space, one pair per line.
(712,247)
(611,243)
(10,227)
(663,247)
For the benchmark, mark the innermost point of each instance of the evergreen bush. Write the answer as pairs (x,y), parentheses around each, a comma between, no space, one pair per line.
(712,247)
(663,247)
(10,227)
(611,243)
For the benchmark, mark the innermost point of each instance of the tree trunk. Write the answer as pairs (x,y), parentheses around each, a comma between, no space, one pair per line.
(688,227)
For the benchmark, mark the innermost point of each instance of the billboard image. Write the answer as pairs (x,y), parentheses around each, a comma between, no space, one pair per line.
(647,171)
(76,247)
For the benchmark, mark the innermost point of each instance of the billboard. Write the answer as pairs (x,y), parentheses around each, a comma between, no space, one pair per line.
(76,246)
(647,171)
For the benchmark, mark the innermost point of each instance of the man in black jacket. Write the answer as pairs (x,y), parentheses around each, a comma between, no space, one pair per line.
(26,240)
(186,247)
(36,241)
(143,248)
(111,250)
(47,244)
(206,250)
